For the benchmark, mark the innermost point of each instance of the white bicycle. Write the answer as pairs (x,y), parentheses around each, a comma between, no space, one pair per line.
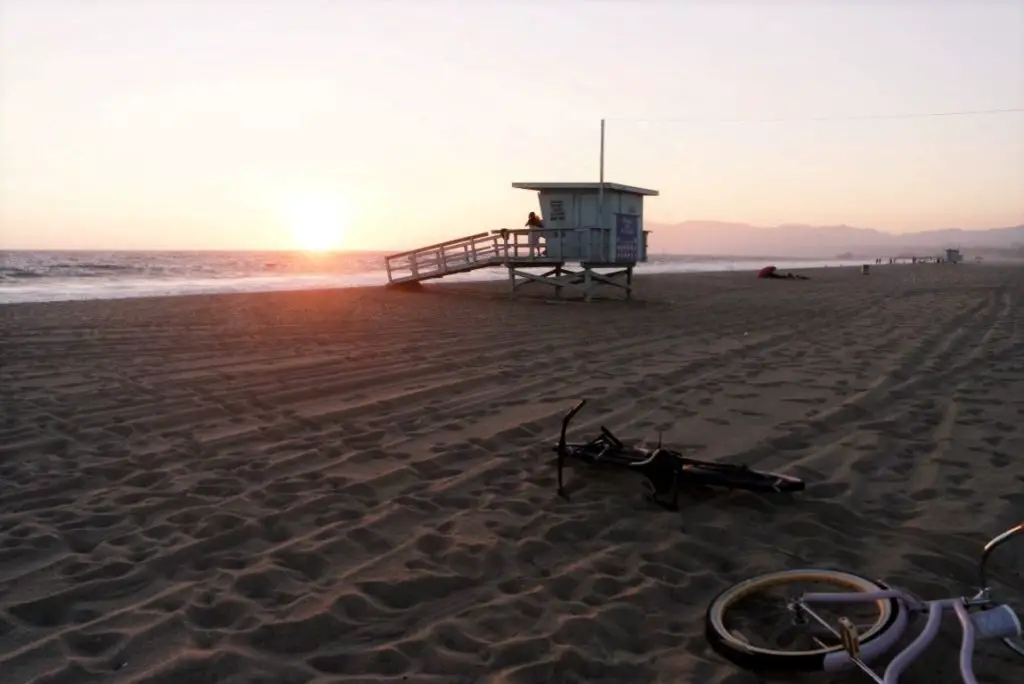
(811,642)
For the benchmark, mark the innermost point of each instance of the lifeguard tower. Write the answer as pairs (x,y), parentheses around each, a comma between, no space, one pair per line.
(595,226)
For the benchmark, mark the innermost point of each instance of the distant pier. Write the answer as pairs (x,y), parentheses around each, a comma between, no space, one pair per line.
(951,256)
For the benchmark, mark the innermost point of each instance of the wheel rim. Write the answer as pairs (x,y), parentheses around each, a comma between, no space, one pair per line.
(719,616)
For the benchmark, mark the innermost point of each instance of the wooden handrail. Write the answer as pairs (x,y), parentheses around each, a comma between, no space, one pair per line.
(465,253)
(498,247)
(448,252)
(468,238)
(542,231)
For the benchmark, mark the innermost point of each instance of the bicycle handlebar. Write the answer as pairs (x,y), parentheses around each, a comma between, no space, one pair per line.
(966,643)
(931,628)
(991,546)
(568,419)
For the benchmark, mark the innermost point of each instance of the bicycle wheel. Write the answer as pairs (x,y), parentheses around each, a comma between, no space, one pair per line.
(739,477)
(797,647)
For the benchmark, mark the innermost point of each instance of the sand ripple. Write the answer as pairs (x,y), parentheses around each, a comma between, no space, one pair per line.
(357,486)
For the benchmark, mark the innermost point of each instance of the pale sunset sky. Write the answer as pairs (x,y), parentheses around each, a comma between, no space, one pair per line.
(261,124)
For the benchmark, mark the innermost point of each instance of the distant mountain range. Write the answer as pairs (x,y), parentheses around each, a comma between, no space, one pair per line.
(740,239)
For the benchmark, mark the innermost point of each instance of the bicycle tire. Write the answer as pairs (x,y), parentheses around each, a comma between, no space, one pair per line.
(755,658)
(736,477)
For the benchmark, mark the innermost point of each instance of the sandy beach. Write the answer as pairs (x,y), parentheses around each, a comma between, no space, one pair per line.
(358,485)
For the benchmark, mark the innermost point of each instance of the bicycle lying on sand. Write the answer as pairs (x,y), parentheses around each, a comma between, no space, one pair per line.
(665,471)
(824,646)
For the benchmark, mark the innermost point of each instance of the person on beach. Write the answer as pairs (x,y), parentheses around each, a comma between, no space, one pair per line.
(772,272)
(535,224)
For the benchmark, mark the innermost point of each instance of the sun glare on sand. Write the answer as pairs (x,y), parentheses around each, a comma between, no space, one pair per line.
(315,224)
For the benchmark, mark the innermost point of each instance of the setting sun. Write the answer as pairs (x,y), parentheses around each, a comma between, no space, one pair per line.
(315,225)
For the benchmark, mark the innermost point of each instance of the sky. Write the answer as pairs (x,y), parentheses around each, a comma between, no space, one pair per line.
(276,124)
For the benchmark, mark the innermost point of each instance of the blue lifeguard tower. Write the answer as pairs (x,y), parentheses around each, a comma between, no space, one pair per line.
(592,236)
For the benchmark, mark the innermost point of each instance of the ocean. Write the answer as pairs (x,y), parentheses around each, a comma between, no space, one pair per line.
(47,276)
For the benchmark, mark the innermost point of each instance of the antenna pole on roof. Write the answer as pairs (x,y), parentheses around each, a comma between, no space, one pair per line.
(600,186)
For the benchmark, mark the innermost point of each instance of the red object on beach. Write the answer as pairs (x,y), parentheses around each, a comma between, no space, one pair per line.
(766,272)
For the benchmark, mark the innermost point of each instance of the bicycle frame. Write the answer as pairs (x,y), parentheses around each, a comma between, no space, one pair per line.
(661,468)
(666,472)
(864,653)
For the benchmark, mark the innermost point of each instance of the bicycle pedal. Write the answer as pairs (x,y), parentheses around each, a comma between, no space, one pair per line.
(849,637)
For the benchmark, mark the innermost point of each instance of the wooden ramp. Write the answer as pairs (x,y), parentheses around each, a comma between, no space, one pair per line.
(494,248)
(436,261)
(517,250)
